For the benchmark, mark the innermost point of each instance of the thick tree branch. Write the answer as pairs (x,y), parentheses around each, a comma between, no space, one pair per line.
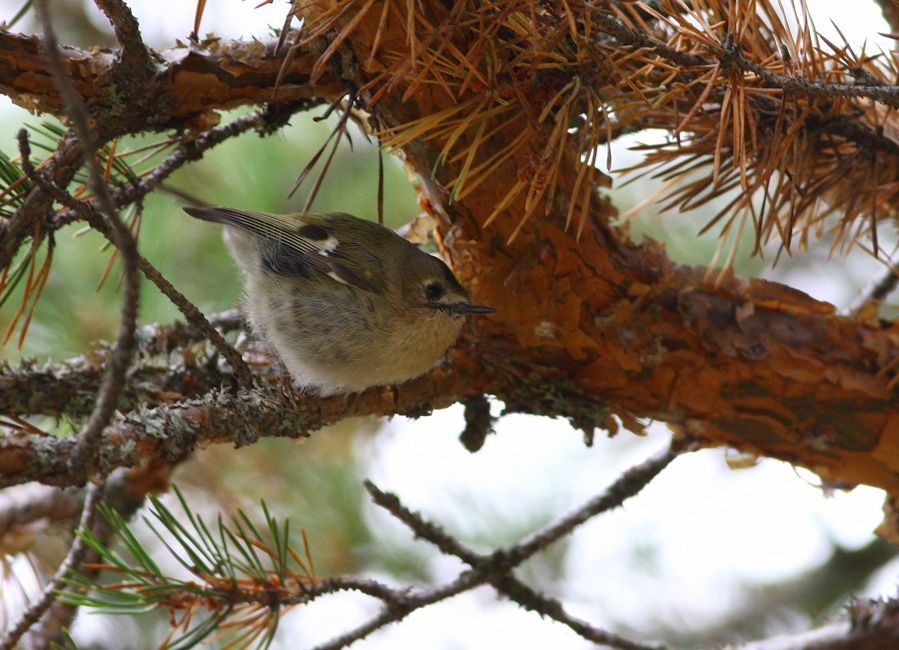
(756,365)
(190,82)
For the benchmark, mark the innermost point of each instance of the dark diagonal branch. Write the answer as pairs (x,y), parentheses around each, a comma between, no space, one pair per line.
(118,363)
(496,568)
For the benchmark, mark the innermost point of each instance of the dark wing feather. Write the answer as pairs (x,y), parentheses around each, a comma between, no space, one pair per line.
(296,246)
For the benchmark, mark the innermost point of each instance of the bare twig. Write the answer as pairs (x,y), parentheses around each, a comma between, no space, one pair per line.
(626,486)
(405,605)
(114,378)
(72,559)
(496,568)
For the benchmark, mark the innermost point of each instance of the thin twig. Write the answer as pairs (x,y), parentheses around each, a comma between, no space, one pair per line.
(627,485)
(114,378)
(191,312)
(496,568)
(76,551)
(466,581)
(266,121)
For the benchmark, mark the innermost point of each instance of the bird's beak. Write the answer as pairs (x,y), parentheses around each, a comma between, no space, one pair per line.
(468,308)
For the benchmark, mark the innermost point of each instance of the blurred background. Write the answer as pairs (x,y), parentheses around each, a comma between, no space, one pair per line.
(707,554)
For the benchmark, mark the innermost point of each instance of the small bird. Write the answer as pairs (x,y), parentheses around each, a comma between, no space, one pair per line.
(344,302)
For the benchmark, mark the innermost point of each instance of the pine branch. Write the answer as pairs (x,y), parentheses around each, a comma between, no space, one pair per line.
(730,55)
(172,431)
(234,582)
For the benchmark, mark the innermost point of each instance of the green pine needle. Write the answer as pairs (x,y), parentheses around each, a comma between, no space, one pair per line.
(233,571)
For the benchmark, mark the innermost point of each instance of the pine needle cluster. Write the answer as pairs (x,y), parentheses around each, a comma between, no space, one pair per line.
(754,99)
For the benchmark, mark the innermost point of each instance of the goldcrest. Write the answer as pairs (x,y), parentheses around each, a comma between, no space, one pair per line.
(344,302)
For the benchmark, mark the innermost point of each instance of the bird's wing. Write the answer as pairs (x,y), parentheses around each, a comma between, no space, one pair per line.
(297,245)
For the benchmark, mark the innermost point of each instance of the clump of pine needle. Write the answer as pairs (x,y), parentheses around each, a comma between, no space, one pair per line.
(241,577)
(756,101)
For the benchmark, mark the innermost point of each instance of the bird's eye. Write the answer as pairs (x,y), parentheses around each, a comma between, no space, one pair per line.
(434,291)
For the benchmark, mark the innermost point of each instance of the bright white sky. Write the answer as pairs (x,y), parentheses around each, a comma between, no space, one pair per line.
(703,526)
